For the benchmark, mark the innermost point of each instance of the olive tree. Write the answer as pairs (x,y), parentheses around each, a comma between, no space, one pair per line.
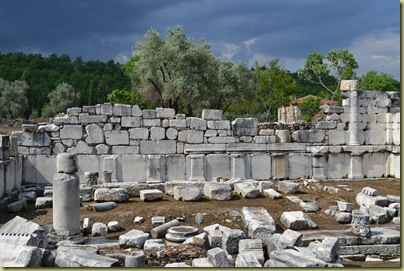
(372,80)
(337,64)
(13,98)
(63,97)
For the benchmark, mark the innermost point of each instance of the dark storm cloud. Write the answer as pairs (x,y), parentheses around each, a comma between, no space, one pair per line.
(239,29)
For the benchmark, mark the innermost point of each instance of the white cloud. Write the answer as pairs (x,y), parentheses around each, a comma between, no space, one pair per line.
(249,43)
(227,50)
(378,51)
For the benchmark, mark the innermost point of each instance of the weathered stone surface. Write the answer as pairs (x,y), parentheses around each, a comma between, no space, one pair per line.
(360,224)
(308,136)
(43,202)
(71,132)
(343,217)
(20,205)
(245,126)
(99,229)
(247,259)
(327,250)
(135,259)
(188,193)
(309,206)
(161,230)
(258,223)
(246,190)
(220,258)
(344,206)
(95,134)
(151,195)
(179,234)
(158,147)
(216,191)
(272,193)
(297,220)
(201,262)
(212,114)
(230,240)
(133,238)
(190,136)
(16,255)
(113,194)
(366,200)
(378,214)
(103,206)
(81,257)
(288,187)
(114,226)
(117,137)
(293,258)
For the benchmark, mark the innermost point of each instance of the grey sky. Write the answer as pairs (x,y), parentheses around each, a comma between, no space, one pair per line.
(243,30)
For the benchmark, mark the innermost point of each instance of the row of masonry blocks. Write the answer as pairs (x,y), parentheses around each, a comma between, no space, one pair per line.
(321,163)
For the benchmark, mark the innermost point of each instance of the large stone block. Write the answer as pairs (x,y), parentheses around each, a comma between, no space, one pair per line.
(293,258)
(15,255)
(122,110)
(297,220)
(337,165)
(86,118)
(134,168)
(196,124)
(212,114)
(216,191)
(32,139)
(258,223)
(261,166)
(113,194)
(165,113)
(218,124)
(139,133)
(158,147)
(117,137)
(131,122)
(374,164)
(245,126)
(309,136)
(218,165)
(157,133)
(246,190)
(175,167)
(299,165)
(151,195)
(45,169)
(204,148)
(190,136)
(71,132)
(95,134)
(133,238)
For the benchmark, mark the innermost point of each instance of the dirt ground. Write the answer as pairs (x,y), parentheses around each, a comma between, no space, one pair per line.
(219,211)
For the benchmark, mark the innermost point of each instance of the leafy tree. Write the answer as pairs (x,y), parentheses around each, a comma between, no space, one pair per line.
(63,97)
(275,87)
(372,80)
(339,64)
(13,98)
(309,107)
(121,96)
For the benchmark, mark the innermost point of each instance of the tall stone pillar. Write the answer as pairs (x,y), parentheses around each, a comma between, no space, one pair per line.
(154,167)
(197,167)
(352,87)
(238,169)
(355,169)
(318,166)
(66,201)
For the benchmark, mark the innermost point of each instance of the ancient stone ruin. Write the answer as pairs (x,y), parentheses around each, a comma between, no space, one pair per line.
(109,153)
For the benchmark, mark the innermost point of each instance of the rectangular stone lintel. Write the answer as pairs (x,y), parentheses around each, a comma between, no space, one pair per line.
(204,148)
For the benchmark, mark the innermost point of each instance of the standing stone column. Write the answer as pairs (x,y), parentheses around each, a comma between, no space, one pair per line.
(355,169)
(352,87)
(238,166)
(66,201)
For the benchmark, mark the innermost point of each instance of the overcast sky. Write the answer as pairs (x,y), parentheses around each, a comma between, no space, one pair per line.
(243,30)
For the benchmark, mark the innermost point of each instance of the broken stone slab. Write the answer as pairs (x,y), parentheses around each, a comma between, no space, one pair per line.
(78,257)
(385,249)
(258,223)
(151,195)
(230,240)
(113,194)
(378,214)
(309,206)
(16,255)
(154,244)
(43,202)
(171,185)
(289,238)
(160,231)
(246,190)
(393,199)
(179,234)
(23,232)
(29,196)
(288,187)
(365,200)
(200,240)
(85,193)
(18,206)
(99,229)
(133,238)
(216,191)
(297,220)
(158,220)
(245,126)
(326,250)
(114,226)
(135,259)
(87,225)
(294,199)
(201,262)
(247,259)
(344,206)
(103,206)
(343,217)
(293,258)
(138,220)
(263,185)
(185,193)
(254,246)
(220,258)
(272,193)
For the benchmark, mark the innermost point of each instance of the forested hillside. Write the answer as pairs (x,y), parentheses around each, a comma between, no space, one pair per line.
(92,79)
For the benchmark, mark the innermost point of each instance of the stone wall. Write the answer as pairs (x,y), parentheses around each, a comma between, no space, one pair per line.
(139,145)
(11,164)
